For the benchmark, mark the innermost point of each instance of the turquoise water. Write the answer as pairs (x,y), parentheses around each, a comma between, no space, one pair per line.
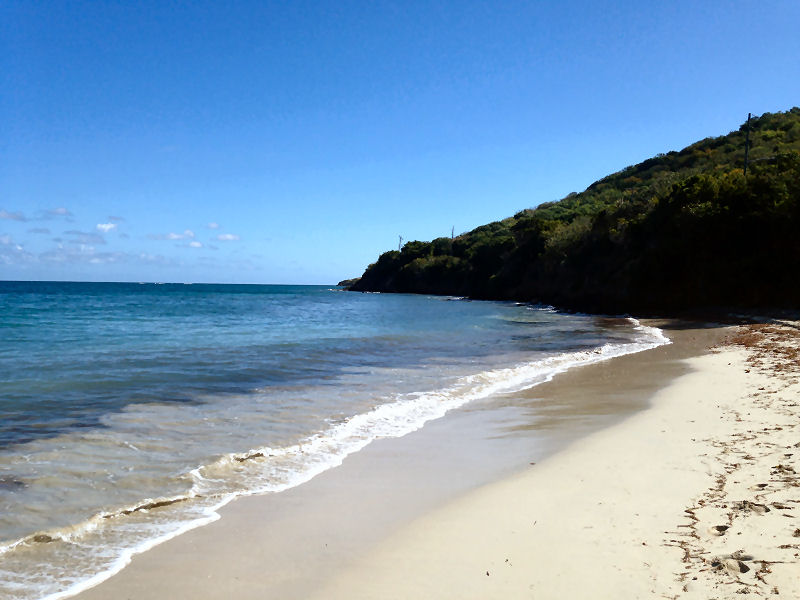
(131,412)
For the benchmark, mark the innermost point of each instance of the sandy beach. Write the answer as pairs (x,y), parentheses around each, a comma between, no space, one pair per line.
(665,474)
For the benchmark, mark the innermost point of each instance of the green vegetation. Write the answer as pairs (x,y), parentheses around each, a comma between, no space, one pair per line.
(680,230)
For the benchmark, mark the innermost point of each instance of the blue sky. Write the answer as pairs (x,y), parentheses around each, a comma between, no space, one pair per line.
(292,142)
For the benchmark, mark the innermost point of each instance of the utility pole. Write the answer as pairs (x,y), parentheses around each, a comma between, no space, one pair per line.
(746,143)
(400,243)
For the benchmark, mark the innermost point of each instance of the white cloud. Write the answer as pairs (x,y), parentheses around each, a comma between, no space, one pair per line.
(187,234)
(106,227)
(227,237)
(59,212)
(154,259)
(44,230)
(85,237)
(116,219)
(82,254)
(12,253)
(213,225)
(195,244)
(15,216)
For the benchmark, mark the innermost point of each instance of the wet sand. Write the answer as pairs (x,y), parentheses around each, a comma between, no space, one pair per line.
(429,514)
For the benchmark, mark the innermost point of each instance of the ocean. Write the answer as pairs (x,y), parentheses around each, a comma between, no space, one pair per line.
(130,413)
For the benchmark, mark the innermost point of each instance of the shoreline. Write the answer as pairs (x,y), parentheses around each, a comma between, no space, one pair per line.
(288,545)
(693,498)
(166,439)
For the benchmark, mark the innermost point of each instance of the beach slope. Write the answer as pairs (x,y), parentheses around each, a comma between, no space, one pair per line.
(694,498)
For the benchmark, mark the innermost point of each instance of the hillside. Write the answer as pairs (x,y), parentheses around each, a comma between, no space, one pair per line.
(681,230)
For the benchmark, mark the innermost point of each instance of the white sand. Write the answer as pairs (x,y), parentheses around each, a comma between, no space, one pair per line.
(634,511)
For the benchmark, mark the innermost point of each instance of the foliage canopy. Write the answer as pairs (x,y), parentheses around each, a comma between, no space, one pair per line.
(680,230)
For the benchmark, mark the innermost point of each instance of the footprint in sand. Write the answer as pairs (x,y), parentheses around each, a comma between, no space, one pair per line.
(746,505)
(736,566)
(733,563)
(718,530)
